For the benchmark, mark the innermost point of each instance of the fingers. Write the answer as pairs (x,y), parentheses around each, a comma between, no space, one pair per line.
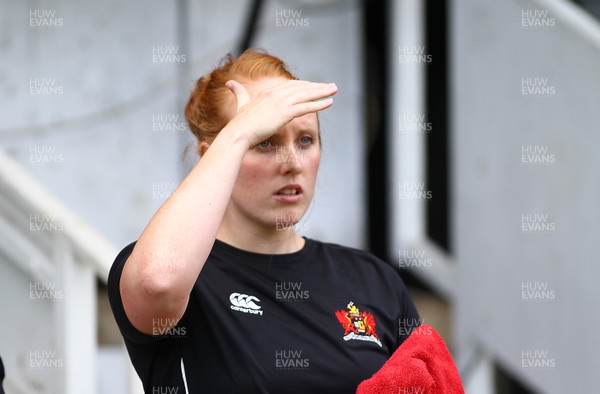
(296,91)
(316,92)
(301,91)
(241,94)
(312,106)
(312,97)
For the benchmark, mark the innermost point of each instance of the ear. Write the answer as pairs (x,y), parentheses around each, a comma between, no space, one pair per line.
(203,147)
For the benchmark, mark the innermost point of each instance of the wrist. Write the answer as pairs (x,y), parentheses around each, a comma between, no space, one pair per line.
(233,137)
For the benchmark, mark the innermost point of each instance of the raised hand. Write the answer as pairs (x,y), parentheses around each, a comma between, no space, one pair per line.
(261,115)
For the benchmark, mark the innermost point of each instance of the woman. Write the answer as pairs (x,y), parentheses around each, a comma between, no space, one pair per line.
(219,294)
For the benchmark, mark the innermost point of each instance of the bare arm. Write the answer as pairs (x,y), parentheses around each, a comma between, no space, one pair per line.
(161,271)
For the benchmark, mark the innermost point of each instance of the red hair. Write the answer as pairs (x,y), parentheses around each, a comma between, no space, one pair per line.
(206,110)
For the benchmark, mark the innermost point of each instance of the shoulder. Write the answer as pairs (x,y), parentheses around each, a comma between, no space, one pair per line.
(361,259)
(116,268)
(350,252)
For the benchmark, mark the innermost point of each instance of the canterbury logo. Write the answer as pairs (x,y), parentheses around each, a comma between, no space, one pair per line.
(245,303)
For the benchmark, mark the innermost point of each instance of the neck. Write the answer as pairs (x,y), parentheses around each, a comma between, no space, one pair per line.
(260,239)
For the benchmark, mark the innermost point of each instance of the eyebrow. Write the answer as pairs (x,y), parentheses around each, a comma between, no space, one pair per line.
(308,130)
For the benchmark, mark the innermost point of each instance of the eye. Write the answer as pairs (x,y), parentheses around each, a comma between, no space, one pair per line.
(264,145)
(306,140)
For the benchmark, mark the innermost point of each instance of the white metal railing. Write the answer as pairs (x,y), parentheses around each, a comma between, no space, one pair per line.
(53,259)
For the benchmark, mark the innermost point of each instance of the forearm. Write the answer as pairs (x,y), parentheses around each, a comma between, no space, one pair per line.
(175,244)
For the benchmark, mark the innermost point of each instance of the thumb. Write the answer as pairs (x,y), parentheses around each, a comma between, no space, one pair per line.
(241,94)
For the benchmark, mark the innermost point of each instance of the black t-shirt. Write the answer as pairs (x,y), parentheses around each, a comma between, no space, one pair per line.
(319,320)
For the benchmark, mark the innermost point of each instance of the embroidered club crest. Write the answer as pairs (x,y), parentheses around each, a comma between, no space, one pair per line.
(357,325)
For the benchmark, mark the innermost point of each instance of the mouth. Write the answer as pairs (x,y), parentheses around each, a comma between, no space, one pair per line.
(289,193)
(289,190)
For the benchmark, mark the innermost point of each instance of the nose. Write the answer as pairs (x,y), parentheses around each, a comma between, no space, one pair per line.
(291,159)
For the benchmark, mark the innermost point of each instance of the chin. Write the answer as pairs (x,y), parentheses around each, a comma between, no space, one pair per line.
(289,216)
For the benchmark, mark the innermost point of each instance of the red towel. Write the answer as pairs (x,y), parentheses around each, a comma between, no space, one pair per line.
(421,365)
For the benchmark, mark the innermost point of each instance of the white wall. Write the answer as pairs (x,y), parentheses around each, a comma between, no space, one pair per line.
(493,122)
